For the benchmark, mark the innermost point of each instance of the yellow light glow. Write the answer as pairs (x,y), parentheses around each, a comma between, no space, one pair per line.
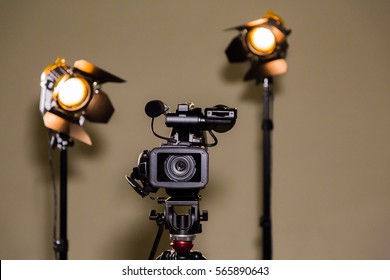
(261,40)
(73,93)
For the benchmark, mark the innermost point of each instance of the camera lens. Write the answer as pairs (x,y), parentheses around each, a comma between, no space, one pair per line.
(180,168)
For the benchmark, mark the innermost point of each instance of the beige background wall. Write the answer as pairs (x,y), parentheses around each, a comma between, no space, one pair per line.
(331,179)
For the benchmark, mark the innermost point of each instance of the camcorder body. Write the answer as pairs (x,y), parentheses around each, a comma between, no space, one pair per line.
(181,165)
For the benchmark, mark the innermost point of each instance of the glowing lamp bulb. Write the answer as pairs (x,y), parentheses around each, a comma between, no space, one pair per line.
(261,40)
(73,94)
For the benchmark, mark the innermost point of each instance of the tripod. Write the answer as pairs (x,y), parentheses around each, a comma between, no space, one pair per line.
(182,227)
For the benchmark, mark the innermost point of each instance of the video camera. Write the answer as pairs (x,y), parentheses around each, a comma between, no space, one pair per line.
(181,164)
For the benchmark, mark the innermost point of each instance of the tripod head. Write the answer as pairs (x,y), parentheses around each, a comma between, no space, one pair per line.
(182,226)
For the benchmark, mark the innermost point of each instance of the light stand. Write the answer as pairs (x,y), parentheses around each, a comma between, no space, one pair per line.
(69,96)
(267,127)
(61,245)
(263,42)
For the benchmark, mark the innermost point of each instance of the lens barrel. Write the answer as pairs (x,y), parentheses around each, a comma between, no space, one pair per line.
(180,168)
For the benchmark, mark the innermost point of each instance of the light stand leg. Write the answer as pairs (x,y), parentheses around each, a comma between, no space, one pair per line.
(267,127)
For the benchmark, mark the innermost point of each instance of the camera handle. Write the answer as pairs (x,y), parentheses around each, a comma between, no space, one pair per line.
(134,184)
(182,228)
(140,173)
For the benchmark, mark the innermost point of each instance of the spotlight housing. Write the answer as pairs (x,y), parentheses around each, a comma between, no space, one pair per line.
(71,95)
(263,42)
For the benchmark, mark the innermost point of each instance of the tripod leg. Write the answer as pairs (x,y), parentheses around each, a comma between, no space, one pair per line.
(156,242)
(159,218)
